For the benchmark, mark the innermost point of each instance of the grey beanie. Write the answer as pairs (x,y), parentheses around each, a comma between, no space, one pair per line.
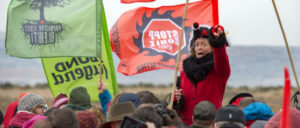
(29,101)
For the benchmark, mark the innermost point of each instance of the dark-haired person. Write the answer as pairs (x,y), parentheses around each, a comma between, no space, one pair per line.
(59,118)
(148,97)
(148,114)
(205,71)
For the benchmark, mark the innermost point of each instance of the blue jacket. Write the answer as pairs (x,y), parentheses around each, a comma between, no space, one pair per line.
(258,110)
(104,98)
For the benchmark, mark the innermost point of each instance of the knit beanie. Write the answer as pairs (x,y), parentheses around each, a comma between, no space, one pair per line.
(29,101)
(87,119)
(60,100)
(199,32)
(274,122)
(80,97)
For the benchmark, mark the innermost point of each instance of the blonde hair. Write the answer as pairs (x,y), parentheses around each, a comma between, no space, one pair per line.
(97,110)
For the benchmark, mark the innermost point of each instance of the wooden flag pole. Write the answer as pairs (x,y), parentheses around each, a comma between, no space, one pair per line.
(286,44)
(100,68)
(178,54)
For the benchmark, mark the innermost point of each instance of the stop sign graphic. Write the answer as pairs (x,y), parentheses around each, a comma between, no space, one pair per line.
(162,35)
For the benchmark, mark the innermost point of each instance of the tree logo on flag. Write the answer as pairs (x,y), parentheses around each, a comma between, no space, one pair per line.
(43,32)
(159,34)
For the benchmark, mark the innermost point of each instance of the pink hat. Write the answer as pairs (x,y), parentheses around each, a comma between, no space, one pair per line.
(274,122)
(60,100)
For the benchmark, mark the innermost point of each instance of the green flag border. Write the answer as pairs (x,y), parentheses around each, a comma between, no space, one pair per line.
(109,54)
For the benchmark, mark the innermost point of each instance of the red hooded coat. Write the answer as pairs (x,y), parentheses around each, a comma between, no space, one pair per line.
(11,110)
(210,89)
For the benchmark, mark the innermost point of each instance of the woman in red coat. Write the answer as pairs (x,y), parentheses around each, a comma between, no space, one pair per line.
(205,71)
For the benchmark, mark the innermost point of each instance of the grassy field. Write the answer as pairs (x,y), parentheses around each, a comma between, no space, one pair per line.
(270,95)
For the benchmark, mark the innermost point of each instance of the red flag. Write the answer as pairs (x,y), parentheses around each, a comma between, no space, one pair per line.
(285,115)
(133,1)
(147,38)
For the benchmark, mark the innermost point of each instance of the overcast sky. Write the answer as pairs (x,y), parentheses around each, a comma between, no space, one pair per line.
(249,22)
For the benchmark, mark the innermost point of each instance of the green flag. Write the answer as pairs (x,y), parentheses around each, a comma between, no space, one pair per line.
(66,73)
(54,28)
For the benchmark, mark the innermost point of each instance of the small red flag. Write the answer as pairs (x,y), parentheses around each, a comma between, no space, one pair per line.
(285,115)
(133,1)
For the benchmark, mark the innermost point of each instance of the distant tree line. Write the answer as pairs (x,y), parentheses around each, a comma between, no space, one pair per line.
(261,88)
(7,85)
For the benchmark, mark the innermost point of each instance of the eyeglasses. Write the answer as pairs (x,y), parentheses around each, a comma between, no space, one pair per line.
(43,106)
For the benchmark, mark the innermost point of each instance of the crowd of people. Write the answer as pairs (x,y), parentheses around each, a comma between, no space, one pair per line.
(197,99)
(137,110)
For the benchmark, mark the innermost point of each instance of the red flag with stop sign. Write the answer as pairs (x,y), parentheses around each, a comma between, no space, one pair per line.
(160,39)
(147,39)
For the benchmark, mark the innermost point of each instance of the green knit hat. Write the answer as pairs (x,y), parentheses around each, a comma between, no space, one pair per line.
(80,97)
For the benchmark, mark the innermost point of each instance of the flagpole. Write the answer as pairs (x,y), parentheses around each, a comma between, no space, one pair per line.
(178,54)
(286,44)
(100,68)
(100,60)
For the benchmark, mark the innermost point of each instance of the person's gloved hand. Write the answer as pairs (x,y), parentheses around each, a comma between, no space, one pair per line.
(217,36)
(217,30)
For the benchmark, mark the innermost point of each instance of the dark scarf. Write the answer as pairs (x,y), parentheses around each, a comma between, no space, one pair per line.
(197,69)
(20,118)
